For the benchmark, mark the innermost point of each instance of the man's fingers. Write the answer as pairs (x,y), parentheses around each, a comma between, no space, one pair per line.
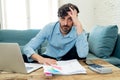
(51,61)
(73,11)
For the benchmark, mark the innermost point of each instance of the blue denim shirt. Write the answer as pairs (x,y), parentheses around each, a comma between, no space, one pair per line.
(58,45)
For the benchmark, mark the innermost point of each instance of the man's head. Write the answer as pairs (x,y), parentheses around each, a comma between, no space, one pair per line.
(65,20)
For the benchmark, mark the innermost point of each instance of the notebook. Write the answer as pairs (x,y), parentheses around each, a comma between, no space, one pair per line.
(11,59)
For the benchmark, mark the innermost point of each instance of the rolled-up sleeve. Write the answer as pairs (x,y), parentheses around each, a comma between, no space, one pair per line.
(31,47)
(82,45)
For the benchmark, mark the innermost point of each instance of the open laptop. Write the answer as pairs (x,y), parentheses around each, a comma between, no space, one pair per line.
(11,59)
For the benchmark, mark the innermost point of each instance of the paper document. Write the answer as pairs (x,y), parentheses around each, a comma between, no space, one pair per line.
(67,67)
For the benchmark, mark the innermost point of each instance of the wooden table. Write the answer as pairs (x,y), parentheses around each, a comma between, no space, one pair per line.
(38,74)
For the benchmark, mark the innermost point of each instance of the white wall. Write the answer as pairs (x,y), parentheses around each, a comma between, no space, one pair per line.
(107,12)
(86,15)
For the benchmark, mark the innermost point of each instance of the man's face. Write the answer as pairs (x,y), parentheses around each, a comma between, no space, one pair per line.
(66,24)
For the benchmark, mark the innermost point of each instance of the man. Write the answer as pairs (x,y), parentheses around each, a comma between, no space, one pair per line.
(66,38)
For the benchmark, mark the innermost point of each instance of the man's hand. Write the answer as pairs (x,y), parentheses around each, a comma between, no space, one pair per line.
(74,16)
(48,61)
(43,60)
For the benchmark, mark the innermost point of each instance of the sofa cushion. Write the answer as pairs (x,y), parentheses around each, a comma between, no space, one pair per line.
(113,60)
(102,40)
(92,56)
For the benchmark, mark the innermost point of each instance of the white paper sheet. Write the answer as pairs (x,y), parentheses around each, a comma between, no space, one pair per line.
(65,68)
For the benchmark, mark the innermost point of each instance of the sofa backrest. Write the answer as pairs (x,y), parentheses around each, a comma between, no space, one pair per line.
(116,51)
(20,36)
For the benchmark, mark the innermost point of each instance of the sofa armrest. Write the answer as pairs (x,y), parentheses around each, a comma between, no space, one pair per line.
(116,51)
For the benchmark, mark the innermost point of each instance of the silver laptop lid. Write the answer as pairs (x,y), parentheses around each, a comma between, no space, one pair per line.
(11,58)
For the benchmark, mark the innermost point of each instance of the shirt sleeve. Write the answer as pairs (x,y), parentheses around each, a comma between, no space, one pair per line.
(31,47)
(82,45)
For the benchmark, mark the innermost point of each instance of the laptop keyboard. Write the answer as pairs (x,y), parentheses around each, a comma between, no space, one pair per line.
(28,68)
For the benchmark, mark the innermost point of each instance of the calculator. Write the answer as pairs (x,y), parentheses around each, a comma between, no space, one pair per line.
(98,68)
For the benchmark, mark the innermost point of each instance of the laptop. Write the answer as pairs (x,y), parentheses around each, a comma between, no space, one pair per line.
(11,59)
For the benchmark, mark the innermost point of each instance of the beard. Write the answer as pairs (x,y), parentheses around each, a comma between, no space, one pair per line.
(65,29)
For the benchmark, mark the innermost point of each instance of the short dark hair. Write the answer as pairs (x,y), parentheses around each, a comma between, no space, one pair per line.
(62,11)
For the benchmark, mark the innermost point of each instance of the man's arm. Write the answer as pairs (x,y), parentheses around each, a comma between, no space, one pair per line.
(33,44)
(81,41)
(77,23)
(82,45)
(43,60)
(32,55)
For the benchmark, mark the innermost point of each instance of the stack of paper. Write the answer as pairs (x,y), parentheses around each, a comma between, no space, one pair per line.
(67,67)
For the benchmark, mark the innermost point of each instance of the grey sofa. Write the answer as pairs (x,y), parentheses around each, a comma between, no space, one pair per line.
(23,36)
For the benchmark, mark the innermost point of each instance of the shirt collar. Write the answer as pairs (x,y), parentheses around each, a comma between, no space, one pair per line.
(58,28)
